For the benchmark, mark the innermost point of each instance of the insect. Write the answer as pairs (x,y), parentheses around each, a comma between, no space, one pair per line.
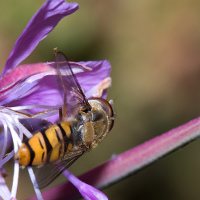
(83,125)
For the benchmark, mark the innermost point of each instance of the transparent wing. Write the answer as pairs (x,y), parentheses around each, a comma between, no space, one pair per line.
(73,101)
(48,173)
(73,95)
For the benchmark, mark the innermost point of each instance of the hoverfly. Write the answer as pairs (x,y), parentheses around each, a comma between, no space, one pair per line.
(83,124)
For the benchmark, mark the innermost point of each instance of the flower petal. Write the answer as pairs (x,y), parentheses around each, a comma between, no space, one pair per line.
(14,80)
(41,24)
(87,191)
(46,87)
(100,71)
(20,73)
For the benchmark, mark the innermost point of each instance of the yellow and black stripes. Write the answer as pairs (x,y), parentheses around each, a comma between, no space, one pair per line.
(32,153)
(49,145)
(67,136)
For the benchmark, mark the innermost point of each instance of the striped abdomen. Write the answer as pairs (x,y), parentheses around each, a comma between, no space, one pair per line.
(46,146)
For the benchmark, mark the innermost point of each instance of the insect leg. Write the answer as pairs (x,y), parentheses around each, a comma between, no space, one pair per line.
(60,115)
(36,114)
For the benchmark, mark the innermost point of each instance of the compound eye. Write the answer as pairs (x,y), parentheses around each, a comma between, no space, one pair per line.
(97,116)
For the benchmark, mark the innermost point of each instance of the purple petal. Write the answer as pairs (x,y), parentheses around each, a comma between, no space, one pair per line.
(41,24)
(100,70)
(88,79)
(87,191)
(13,81)
(46,89)
(20,73)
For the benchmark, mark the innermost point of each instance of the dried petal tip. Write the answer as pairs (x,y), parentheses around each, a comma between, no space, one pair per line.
(103,85)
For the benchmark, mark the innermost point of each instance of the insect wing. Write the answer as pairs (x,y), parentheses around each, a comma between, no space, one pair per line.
(48,173)
(73,95)
(73,100)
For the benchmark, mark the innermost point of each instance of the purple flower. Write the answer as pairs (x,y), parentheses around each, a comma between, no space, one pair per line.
(32,87)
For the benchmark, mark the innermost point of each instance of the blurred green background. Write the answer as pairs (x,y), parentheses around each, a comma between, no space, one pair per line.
(154,49)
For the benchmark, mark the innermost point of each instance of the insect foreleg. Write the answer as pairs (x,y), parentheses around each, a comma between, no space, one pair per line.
(60,115)
(37,114)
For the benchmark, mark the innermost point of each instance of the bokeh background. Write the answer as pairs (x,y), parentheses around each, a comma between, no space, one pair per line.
(154,49)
